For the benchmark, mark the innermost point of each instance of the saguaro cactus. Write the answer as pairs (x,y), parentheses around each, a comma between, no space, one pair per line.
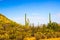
(25,18)
(26,21)
(49,18)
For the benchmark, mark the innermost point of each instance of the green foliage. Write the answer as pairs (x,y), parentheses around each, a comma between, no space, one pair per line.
(53,26)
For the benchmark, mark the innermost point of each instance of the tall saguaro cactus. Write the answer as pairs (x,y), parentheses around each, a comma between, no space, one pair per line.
(49,18)
(25,18)
(26,21)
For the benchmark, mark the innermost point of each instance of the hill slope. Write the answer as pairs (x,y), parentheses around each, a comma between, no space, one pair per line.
(4,19)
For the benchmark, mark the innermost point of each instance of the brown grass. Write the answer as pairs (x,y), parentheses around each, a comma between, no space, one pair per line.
(51,39)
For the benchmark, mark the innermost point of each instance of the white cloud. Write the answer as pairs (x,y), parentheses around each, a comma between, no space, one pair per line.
(56,17)
(32,19)
(35,19)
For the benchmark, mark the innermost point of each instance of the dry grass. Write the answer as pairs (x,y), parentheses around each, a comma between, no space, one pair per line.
(30,38)
(33,38)
(51,39)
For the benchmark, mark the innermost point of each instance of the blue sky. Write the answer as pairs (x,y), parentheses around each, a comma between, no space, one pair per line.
(36,10)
